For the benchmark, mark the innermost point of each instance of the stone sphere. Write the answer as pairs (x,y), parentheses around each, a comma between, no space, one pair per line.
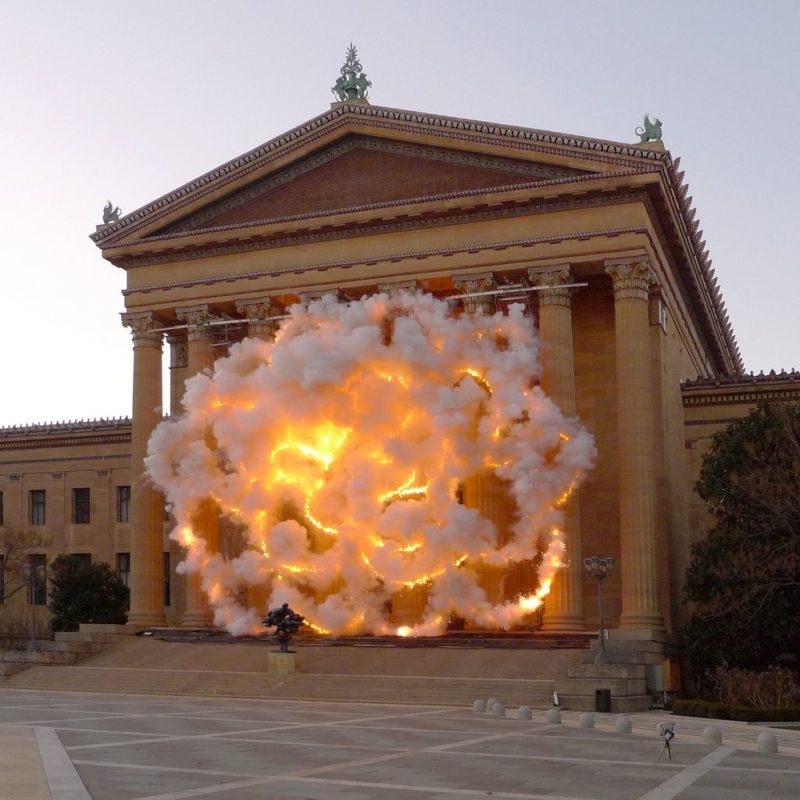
(586,720)
(712,735)
(489,703)
(479,705)
(622,724)
(554,716)
(524,712)
(767,742)
(498,710)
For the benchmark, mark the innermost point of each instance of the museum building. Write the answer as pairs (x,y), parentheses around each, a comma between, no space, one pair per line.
(598,239)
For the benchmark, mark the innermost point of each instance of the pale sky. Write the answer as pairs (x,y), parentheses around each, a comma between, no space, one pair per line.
(126,101)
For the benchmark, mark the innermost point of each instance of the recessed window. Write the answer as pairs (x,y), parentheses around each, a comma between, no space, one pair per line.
(36,506)
(123,503)
(37,588)
(167,587)
(81,506)
(124,567)
(1,509)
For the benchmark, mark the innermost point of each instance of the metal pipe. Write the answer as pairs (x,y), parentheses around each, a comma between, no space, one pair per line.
(514,289)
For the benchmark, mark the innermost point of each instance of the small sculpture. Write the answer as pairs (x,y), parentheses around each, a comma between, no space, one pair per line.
(110,213)
(352,84)
(651,132)
(286,622)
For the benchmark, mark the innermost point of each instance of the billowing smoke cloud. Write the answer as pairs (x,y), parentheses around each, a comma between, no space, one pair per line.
(340,450)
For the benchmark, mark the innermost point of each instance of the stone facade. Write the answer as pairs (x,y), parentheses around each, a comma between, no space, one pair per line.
(600,236)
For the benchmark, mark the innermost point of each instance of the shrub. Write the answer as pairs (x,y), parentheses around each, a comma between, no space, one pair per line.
(85,593)
(772,688)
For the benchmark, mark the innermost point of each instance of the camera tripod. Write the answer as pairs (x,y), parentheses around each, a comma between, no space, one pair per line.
(667,730)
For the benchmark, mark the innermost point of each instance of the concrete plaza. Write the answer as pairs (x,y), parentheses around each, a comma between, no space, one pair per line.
(71,746)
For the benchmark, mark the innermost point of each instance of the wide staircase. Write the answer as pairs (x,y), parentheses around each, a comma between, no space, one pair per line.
(452,672)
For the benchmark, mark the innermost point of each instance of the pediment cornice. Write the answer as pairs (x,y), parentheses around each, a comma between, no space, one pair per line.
(363,117)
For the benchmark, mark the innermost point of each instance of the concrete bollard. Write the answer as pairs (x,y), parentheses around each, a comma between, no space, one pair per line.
(554,716)
(622,724)
(489,703)
(479,705)
(524,712)
(767,742)
(712,735)
(587,720)
(498,710)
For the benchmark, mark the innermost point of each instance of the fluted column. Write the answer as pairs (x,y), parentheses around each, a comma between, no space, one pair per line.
(178,369)
(261,314)
(641,607)
(200,356)
(564,604)
(147,505)
(484,491)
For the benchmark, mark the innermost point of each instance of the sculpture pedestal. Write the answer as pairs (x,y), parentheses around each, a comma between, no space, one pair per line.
(282,663)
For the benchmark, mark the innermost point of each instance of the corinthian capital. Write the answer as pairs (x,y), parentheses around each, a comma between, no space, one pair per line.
(260,313)
(474,284)
(552,281)
(144,328)
(631,277)
(196,319)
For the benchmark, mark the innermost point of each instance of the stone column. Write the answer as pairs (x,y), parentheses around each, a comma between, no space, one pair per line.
(147,505)
(483,491)
(200,356)
(260,313)
(178,370)
(564,604)
(641,607)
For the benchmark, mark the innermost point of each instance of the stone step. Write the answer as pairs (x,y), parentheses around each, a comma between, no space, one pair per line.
(611,670)
(366,688)
(619,705)
(71,646)
(38,657)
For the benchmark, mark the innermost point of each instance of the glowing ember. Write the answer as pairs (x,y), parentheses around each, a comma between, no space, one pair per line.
(340,450)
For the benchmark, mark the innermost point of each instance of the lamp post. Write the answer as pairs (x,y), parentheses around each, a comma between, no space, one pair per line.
(600,568)
(33,577)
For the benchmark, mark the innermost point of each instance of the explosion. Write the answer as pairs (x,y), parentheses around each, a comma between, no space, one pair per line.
(340,451)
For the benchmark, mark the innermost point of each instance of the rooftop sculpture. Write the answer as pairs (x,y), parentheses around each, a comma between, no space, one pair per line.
(352,84)
(651,132)
(110,213)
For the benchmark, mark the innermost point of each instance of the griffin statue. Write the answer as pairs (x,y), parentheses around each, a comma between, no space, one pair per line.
(651,132)
(110,213)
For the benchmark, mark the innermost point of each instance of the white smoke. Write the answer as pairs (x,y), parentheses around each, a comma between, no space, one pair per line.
(340,447)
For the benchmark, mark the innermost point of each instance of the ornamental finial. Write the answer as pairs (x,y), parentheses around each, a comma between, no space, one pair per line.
(352,84)
(651,132)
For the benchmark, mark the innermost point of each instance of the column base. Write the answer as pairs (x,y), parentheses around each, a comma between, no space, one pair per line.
(568,623)
(654,622)
(146,619)
(197,619)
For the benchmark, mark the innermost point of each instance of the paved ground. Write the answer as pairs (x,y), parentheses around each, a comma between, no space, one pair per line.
(124,747)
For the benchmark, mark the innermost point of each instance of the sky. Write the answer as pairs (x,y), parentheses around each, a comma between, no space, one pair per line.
(126,101)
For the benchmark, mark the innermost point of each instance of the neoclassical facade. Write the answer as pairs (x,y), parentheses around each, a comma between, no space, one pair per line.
(598,238)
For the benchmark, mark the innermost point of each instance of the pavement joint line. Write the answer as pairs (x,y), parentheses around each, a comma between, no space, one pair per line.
(62,777)
(156,768)
(262,729)
(673,786)
(438,789)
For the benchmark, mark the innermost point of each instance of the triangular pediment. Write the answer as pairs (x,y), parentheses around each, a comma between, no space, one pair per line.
(363,157)
(362,171)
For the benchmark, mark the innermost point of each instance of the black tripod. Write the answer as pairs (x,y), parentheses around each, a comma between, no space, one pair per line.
(667,730)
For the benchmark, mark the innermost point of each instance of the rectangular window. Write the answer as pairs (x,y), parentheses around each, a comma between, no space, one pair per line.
(167,593)
(123,503)
(1,509)
(37,591)
(81,506)
(124,567)
(36,507)
(2,579)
